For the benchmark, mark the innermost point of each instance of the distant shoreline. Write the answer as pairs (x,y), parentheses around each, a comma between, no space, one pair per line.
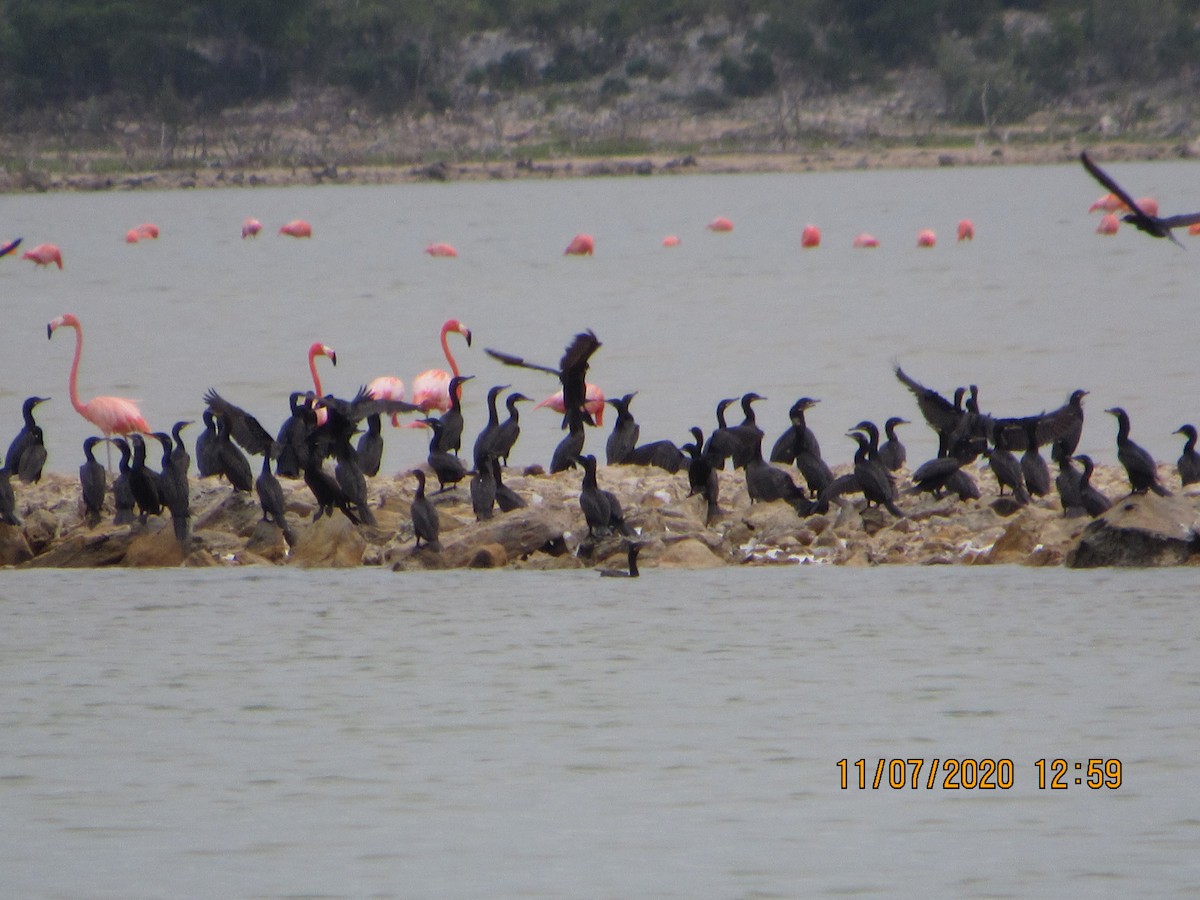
(847,158)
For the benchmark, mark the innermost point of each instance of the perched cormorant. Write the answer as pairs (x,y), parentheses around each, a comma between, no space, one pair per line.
(270,499)
(1093,501)
(663,454)
(1066,482)
(448,467)
(370,446)
(509,430)
(207,460)
(483,489)
(1189,461)
(797,436)
(424,517)
(486,437)
(144,482)
(93,480)
(8,500)
(12,459)
(1007,469)
(735,442)
(231,462)
(601,509)
(506,498)
(174,490)
(874,480)
(1139,464)
(243,427)
(624,436)
(353,482)
(325,488)
(631,554)
(702,477)
(452,419)
(892,452)
(765,482)
(33,457)
(180,458)
(571,446)
(293,436)
(1137,217)
(1033,466)
(122,492)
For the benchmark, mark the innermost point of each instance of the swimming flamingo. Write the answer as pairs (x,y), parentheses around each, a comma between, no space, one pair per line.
(1108,224)
(251,228)
(148,230)
(44,254)
(594,403)
(720,223)
(670,241)
(581,245)
(440,249)
(926,238)
(112,415)
(810,237)
(297,228)
(966,230)
(132,236)
(431,389)
(387,387)
(866,240)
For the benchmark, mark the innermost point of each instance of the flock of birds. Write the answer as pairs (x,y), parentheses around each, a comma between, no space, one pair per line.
(321,428)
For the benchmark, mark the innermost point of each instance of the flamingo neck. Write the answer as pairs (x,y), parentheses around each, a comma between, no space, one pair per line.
(449,355)
(73,381)
(312,367)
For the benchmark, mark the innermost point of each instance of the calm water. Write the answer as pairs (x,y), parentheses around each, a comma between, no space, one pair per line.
(555,734)
(552,734)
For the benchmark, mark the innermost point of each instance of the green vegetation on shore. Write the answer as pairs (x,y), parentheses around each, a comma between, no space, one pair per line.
(233,79)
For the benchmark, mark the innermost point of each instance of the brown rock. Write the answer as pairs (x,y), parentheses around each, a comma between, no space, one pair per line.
(689,554)
(520,533)
(41,529)
(1141,530)
(86,551)
(156,548)
(268,542)
(329,542)
(14,548)
(489,556)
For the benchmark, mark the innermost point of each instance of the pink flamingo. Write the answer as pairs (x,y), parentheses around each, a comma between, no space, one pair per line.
(593,403)
(132,236)
(44,254)
(1111,203)
(581,245)
(431,389)
(251,228)
(319,349)
(1194,229)
(1108,224)
(966,230)
(670,241)
(297,228)
(720,223)
(810,237)
(112,415)
(387,387)
(866,240)
(148,230)
(440,249)
(926,238)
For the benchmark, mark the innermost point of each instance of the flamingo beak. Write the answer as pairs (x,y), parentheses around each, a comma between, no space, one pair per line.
(466,332)
(332,357)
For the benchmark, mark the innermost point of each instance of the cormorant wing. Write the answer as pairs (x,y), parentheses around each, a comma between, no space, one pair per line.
(1105,179)
(364,404)
(1181,221)
(243,427)
(573,371)
(937,410)
(509,360)
(10,246)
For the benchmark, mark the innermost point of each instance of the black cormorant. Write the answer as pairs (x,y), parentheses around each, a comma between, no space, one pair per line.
(1033,465)
(624,436)
(424,516)
(509,430)
(270,499)
(12,459)
(33,457)
(486,437)
(370,446)
(1093,501)
(1007,469)
(483,488)
(1139,464)
(1189,461)
(1154,226)
(892,452)
(207,461)
(632,549)
(765,483)
(452,419)
(93,480)
(601,509)
(144,482)
(506,498)
(874,480)
(8,500)
(446,466)
(174,490)
(122,492)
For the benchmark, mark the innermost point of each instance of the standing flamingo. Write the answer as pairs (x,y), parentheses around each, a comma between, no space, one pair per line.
(44,254)
(387,387)
(1109,224)
(112,415)
(926,238)
(810,237)
(251,228)
(431,389)
(966,230)
(866,240)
